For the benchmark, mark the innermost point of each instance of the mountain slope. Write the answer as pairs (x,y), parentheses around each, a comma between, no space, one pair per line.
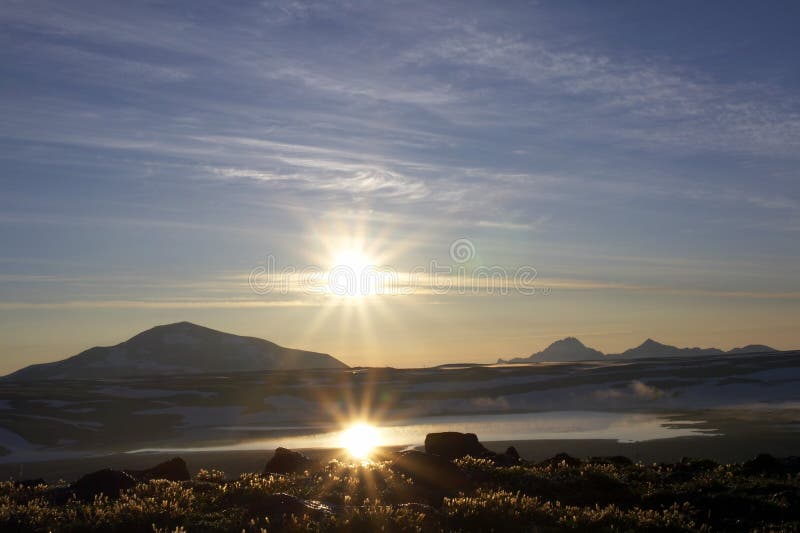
(181,348)
(651,348)
(752,348)
(568,349)
(571,349)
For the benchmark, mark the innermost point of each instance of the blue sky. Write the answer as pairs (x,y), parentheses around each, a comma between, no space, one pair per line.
(643,157)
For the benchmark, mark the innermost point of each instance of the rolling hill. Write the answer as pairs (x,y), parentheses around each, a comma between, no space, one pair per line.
(180,348)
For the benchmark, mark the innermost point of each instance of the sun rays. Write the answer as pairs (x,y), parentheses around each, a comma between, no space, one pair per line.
(360,285)
(360,440)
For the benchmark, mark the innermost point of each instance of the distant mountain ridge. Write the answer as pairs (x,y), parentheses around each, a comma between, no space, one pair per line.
(571,349)
(180,348)
(752,348)
(651,348)
(568,349)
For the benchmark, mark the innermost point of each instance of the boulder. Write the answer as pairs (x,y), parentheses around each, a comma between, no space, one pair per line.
(287,461)
(59,495)
(561,459)
(432,471)
(512,452)
(172,470)
(509,458)
(277,506)
(791,464)
(766,464)
(107,481)
(454,445)
(763,463)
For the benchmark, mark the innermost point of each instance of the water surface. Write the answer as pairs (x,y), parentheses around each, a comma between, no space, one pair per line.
(622,427)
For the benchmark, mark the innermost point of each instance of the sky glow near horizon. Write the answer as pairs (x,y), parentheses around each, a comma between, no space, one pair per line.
(642,158)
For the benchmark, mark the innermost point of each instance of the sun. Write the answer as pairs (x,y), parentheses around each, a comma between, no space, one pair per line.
(360,440)
(355,260)
(354,274)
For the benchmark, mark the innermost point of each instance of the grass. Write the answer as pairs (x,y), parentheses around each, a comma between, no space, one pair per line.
(555,496)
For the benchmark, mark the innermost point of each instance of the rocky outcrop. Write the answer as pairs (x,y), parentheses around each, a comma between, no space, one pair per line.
(766,464)
(112,482)
(277,507)
(286,461)
(173,470)
(454,445)
(106,481)
(432,471)
(561,459)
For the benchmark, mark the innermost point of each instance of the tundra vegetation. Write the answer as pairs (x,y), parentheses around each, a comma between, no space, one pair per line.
(563,493)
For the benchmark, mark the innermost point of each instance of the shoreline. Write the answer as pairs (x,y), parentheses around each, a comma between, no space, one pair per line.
(720,448)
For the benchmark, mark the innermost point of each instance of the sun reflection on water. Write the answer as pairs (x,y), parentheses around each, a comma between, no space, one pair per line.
(360,440)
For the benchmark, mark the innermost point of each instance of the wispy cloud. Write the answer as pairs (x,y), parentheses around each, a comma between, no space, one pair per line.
(195,137)
(145,304)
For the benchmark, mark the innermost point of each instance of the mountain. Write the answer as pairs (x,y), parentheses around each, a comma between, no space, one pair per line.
(181,348)
(752,348)
(651,348)
(569,349)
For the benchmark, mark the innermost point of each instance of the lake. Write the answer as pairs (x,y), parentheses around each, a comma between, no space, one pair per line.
(621,427)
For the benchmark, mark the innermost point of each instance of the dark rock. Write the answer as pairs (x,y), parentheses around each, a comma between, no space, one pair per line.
(288,462)
(60,495)
(430,470)
(791,464)
(687,469)
(695,465)
(573,487)
(30,483)
(278,506)
(766,464)
(763,463)
(172,470)
(454,445)
(561,459)
(597,488)
(509,458)
(107,481)
(730,510)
